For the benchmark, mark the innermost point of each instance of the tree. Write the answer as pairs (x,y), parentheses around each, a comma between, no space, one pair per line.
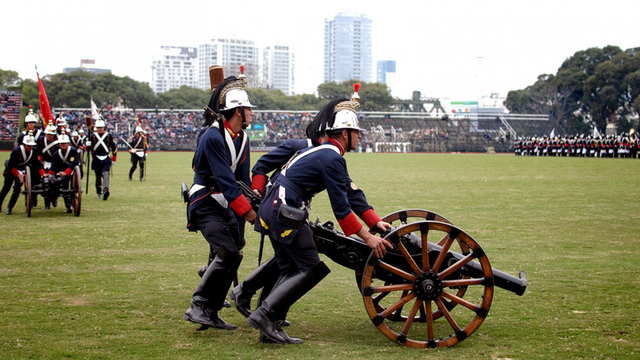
(184,98)
(373,96)
(9,78)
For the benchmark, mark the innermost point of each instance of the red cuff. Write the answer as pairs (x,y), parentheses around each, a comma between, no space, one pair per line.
(113,158)
(68,171)
(370,218)
(41,172)
(15,172)
(258,182)
(51,172)
(350,225)
(241,205)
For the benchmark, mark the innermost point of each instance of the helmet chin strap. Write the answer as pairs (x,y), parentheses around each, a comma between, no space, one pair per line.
(349,141)
(244,119)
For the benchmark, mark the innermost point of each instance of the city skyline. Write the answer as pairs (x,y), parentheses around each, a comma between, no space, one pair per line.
(456,49)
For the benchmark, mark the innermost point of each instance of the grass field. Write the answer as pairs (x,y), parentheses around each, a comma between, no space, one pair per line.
(114,282)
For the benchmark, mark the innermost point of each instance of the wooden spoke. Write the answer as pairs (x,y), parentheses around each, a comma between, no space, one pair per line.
(447,315)
(388,288)
(460,263)
(407,324)
(408,258)
(394,270)
(443,253)
(462,282)
(429,321)
(443,240)
(460,301)
(398,305)
(425,250)
(379,298)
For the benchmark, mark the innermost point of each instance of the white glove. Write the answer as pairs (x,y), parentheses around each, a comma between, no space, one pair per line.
(88,143)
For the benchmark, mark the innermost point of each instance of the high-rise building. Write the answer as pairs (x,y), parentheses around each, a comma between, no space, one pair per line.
(347,48)
(173,67)
(277,68)
(230,53)
(384,67)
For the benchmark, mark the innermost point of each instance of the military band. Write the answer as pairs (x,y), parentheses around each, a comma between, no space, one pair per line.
(624,145)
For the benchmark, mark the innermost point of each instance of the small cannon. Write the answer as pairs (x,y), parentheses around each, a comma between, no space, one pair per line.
(421,281)
(51,188)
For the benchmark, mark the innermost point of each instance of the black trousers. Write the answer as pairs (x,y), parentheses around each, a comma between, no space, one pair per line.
(301,254)
(219,227)
(135,160)
(10,180)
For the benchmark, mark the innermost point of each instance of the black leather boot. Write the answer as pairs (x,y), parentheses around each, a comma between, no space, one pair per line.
(281,298)
(209,295)
(241,295)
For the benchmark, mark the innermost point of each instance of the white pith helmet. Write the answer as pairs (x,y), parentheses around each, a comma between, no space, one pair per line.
(63,139)
(30,118)
(50,129)
(29,139)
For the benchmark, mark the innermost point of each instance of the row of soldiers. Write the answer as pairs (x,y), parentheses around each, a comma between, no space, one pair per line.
(624,145)
(55,152)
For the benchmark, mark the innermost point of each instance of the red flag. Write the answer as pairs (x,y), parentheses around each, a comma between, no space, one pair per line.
(45,109)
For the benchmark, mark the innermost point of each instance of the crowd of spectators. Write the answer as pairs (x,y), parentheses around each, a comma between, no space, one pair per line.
(10,103)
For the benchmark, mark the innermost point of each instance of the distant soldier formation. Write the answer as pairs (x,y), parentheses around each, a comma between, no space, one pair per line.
(53,153)
(624,145)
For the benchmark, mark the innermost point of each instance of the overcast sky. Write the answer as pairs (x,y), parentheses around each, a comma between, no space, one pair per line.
(455,49)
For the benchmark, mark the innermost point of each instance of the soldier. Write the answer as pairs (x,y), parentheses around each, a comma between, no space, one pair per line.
(217,207)
(100,145)
(138,150)
(14,169)
(284,213)
(47,146)
(30,125)
(61,126)
(64,163)
(267,273)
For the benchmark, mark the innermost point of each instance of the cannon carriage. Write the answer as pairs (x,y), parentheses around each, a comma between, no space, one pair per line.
(433,289)
(51,187)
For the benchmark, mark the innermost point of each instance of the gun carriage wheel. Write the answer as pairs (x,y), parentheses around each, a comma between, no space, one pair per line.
(404,217)
(28,193)
(428,284)
(76,186)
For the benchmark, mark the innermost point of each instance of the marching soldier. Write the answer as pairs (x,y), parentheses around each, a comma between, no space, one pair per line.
(30,125)
(47,146)
(217,207)
(14,170)
(138,150)
(100,145)
(284,213)
(63,164)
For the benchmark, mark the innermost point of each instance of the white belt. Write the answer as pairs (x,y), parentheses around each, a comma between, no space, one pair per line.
(219,197)
(102,157)
(47,165)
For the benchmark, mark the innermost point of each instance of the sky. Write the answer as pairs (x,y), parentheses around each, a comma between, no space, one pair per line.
(446,49)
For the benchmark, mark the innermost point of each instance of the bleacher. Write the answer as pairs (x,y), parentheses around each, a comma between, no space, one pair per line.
(10,103)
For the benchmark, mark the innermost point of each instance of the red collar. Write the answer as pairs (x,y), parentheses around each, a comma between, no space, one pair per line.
(230,130)
(334,142)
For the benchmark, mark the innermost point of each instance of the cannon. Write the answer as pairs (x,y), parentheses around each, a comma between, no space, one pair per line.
(441,295)
(51,187)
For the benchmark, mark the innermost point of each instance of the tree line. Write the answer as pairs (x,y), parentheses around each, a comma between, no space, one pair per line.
(590,89)
(74,90)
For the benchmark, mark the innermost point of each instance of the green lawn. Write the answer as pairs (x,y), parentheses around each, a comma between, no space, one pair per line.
(114,282)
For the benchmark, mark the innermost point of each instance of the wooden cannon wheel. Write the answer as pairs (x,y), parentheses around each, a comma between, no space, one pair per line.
(404,217)
(424,287)
(76,186)
(28,193)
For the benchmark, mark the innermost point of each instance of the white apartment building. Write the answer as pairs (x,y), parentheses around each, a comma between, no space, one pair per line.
(277,68)
(174,66)
(230,53)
